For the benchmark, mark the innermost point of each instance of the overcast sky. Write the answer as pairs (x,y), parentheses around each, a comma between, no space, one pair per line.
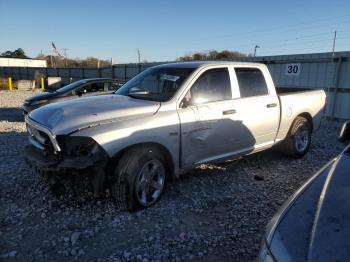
(165,30)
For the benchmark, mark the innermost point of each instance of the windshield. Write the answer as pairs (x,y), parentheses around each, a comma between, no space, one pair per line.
(156,84)
(70,87)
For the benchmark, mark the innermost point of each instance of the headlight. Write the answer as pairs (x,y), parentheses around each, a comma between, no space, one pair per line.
(264,254)
(77,146)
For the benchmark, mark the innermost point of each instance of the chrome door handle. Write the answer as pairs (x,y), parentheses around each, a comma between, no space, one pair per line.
(271,105)
(229,112)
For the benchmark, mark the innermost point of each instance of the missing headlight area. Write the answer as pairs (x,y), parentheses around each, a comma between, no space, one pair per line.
(78,155)
(77,146)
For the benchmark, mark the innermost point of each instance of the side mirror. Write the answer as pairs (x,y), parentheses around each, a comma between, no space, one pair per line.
(185,103)
(344,135)
(138,91)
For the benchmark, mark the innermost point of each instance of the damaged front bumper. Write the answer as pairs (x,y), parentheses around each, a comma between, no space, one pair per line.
(59,167)
(52,163)
(59,156)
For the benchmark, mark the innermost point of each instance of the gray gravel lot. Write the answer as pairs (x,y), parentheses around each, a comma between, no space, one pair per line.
(218,213)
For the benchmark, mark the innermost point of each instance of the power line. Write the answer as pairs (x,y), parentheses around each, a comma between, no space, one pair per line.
(253,35)
(300,50)
(278,44)
(254,39)
(328,40)
(299,37)
(286,41)
(278,28)
(301,43)
(304,46)
(303,49)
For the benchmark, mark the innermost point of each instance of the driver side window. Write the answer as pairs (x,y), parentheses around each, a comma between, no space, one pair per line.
(212,85)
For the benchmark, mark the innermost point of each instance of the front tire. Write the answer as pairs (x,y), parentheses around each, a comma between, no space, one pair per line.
(298,139)
(139,178)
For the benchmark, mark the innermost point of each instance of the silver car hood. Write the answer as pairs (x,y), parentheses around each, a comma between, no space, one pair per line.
(71,115)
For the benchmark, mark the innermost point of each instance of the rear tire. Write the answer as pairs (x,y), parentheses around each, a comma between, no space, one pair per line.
(298,139)
(139,178)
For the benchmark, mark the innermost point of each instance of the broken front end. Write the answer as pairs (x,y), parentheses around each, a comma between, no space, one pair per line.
(58,157)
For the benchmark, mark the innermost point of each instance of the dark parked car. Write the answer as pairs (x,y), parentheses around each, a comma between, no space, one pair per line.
(85,87)
(314,224)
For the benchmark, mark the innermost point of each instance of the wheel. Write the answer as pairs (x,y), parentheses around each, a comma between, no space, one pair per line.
(298,139)
(139,178)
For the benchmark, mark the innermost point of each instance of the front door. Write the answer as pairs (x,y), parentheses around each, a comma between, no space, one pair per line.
(209,120)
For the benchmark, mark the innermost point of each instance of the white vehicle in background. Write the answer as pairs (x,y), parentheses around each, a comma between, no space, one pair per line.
(167,120)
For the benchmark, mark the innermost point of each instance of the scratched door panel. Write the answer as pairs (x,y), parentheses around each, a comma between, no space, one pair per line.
(209,131)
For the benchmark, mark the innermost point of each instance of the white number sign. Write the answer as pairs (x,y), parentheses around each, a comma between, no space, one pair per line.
(292,69)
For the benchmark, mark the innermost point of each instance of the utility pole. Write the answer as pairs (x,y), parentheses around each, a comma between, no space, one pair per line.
(65,55)
(335,37)
(51,57)
(139,55)
(256,46)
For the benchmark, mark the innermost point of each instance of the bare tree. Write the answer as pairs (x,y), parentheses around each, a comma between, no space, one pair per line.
(212,54)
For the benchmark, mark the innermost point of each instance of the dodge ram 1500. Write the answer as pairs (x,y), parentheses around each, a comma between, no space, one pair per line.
(167,120)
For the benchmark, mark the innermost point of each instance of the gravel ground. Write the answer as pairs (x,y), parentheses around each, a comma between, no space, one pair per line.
(216,214)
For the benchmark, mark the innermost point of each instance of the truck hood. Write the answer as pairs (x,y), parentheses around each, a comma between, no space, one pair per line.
(71,115)
(316,226)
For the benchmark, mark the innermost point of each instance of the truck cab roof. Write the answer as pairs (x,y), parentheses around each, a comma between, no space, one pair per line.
(198,64)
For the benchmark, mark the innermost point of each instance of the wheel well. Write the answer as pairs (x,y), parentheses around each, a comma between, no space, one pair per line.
(113,161)
(309,119)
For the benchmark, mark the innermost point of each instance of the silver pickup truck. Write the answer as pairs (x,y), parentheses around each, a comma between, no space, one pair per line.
(167,120)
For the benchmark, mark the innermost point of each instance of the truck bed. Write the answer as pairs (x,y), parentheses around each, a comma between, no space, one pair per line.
(295,101)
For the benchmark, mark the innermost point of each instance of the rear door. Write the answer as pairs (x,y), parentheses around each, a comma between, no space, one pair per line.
(257,107)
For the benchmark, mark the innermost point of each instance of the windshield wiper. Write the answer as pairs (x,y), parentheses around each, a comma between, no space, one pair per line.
(132,95)
(148,98)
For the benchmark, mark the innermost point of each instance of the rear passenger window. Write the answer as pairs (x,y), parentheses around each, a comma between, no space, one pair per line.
(212,85)
(251,82)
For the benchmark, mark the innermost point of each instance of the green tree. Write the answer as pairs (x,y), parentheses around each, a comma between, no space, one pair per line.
(18,53)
